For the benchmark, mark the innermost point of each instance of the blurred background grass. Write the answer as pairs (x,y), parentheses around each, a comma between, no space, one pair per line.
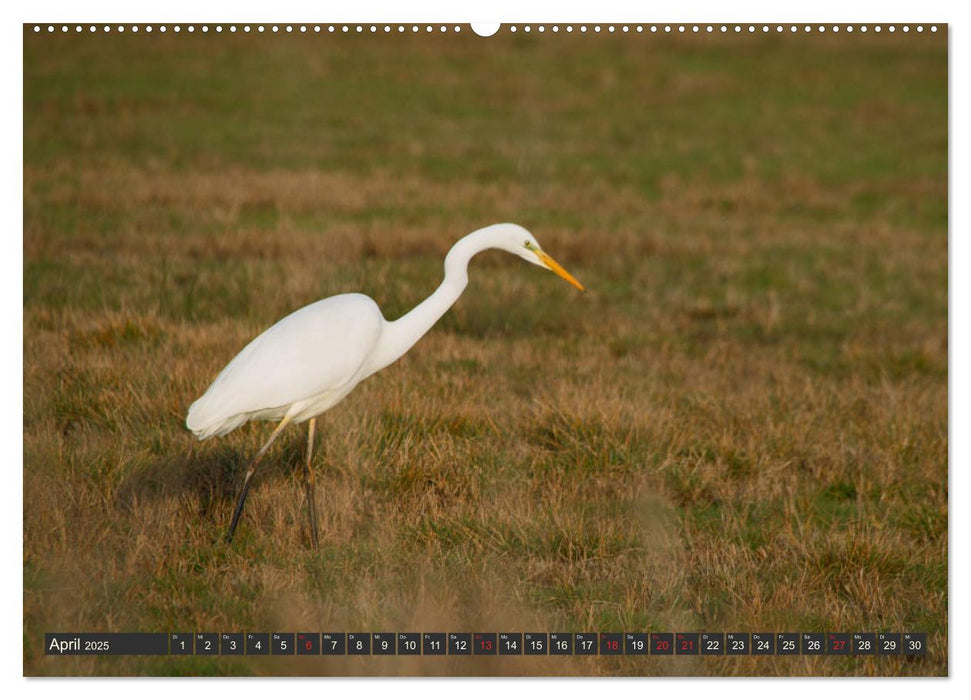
(742,427)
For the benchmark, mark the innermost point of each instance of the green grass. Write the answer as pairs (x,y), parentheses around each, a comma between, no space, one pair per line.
(742,426)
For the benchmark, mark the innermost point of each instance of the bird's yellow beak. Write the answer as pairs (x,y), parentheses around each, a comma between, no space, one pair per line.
(558,269)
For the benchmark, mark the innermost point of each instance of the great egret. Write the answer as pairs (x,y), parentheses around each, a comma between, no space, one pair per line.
(309,361)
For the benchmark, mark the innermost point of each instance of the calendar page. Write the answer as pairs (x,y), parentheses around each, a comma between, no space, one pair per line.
(524,349)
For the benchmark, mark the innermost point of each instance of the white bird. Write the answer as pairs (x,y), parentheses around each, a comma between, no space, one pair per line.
(310,360)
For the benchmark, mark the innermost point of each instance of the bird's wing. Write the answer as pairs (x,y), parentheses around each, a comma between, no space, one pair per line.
(314,350)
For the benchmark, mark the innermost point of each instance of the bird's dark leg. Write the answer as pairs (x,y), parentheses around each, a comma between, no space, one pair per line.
(249,475)
(309,485)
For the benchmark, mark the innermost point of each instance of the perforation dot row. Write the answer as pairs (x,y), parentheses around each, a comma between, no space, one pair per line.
(723,28)
(232,28)
(414,28)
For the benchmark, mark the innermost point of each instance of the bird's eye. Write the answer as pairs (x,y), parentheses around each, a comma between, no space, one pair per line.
(526,244)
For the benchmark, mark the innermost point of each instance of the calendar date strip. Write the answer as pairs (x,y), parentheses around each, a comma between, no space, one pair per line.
(486,643)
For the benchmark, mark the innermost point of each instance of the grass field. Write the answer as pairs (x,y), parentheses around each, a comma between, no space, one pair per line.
(741,427)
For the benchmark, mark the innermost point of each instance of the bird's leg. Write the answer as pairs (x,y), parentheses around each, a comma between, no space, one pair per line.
(309,485)
(249,475)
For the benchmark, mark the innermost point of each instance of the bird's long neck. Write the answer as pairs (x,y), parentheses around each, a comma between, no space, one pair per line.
(400,335)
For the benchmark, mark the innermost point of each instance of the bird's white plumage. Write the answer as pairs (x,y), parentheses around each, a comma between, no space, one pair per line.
(309,359)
